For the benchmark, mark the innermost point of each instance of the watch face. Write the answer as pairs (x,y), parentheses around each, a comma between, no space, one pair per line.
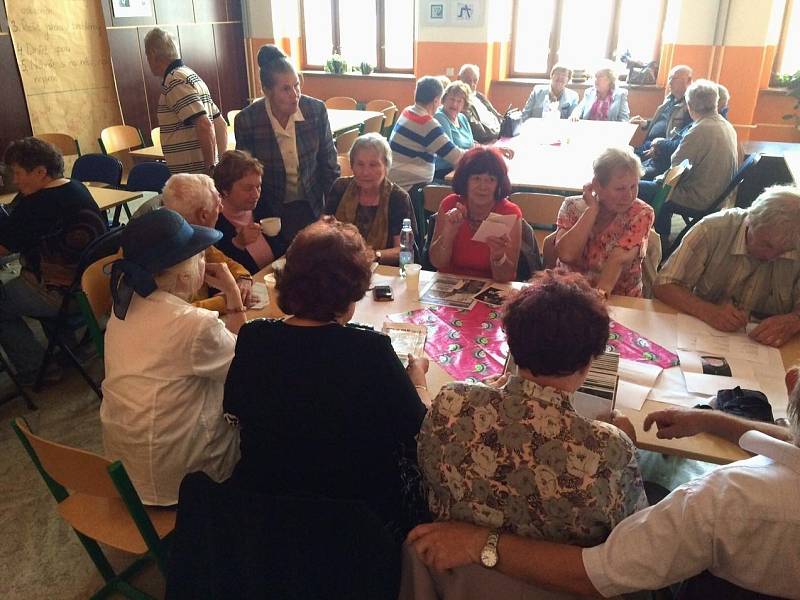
(489,557)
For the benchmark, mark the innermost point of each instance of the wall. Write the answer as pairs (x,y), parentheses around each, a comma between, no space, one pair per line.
(14,119)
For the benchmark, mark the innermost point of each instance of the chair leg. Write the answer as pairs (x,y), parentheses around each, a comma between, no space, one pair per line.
(77,364)
(56,341)
(48,356)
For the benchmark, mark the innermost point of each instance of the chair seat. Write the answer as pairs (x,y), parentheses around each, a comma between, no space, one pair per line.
(108,521)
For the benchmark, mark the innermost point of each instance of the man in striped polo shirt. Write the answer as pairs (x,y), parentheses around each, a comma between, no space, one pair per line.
(417,138)
(193,132)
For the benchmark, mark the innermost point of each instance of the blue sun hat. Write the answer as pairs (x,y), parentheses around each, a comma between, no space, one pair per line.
(151,244)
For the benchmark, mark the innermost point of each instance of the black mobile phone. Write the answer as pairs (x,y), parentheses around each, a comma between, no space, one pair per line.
(382,293)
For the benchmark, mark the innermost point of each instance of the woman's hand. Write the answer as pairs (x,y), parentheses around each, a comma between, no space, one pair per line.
(245,285)
(590,196)
(247,235)
(219,276)
(417,369)
(453,219)
(507,152)
(621,256)
(498,246)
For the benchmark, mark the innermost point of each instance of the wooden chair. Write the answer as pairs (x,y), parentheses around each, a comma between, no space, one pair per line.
(155,136)
(344,141)
(341,103)
(344,165)
(432,196)
(119,140)
(540,210)
(97,499)
(378,105)
(389,110)
(650,263)
(373,125)
(66,144)
(95,297)
(232,116)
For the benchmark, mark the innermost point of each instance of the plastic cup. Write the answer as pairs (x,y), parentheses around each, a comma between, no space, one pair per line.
(412,277)
(271,226)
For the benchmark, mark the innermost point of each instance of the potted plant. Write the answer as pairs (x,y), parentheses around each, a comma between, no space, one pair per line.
(366,68)
(336,64)
(792,85)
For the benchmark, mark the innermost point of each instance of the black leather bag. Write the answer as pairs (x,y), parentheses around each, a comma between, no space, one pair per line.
(511,123)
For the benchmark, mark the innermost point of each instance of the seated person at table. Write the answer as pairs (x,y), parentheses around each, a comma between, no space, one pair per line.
(671,115)
(604,101)
(417,138)
(738,523)
(740,263)
(166,360)
(483,118)
(710,147)
(238,179)
(195,198)
(603,233)
(481,187)
(53,219)
(325,409)
(553,99)
(518,458)
(454,122)
(368,200)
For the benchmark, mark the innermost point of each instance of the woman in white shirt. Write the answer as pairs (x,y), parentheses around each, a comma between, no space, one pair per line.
(166,360)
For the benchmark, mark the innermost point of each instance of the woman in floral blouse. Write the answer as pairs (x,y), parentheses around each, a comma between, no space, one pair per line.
(517,457)
(603,234)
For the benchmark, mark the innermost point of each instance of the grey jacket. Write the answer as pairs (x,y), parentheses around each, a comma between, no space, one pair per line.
(541,94)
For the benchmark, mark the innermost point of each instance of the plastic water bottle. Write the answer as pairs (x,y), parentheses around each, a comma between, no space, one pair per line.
(406,246)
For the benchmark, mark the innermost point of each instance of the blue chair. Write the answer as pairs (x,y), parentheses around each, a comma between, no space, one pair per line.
(148,177)
(98,168)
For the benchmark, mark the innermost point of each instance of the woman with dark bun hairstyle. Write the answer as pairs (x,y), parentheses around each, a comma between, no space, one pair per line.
(290,134)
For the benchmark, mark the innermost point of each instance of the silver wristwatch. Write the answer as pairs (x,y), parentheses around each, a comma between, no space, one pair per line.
(489,553)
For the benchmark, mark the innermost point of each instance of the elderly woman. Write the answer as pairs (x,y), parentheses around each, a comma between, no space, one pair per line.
(481,187)
(290,133)
(603,233)
(52,221)
(515,456)
(368,200)
(325,409)
(238,178)
(710,147)
(604,101)
(483,118)
(454,122)
(554,100)
(195,198)
(166,360)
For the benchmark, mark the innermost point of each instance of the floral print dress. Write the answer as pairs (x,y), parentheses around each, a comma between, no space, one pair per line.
(626,230)
(520,459)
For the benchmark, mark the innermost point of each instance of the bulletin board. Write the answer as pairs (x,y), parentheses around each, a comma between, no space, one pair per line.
(64,61)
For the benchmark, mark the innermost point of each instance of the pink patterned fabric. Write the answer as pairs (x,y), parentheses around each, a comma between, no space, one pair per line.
(599,110)
(626,230)
(633,346)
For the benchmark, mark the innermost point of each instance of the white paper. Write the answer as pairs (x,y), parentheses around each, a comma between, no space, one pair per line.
(697,336)
(591,407)
(259,295)
(494,225)
(636,380)
(659,327)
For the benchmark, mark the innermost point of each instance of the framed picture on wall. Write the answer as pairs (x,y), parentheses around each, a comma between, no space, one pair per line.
(132,8)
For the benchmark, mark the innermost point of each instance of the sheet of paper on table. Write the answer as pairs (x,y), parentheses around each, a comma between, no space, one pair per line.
(659,327)
(260,296)
(636,380)
(697,336)
(494,225)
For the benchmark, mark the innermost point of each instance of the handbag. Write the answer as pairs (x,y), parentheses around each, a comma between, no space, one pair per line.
(511,123)
(748,404)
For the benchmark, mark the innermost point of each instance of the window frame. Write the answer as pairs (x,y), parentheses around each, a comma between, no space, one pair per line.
(776,63)
(555,36)
(380,40)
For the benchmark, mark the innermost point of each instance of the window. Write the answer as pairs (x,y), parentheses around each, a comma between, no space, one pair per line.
(579,33)
(787,61)
(380,32)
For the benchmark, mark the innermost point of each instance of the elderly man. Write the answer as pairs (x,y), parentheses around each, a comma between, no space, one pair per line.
(739,263)
(193,132)
(196,199)
(484,120)
(555,99)
(723,528)
(671,116)
(417,138)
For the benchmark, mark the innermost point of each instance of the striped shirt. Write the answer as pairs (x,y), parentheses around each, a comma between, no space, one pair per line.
(416,140)
(713,263)
(183,96)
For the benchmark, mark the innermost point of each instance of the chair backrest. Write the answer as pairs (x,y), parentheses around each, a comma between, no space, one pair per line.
(155,136)
(341,102)
(98,168)
(433,195)
(671,180)
(379,105)
(344,165)
(148,176)
(747,166)
(345,141)
(540,211)
(96,301)
(120,137)
(389,119)
(373,124)
(549,251)
(650,263)
(66,144)
(530,259)
(232,116)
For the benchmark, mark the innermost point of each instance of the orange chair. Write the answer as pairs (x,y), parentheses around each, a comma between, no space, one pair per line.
(342,103)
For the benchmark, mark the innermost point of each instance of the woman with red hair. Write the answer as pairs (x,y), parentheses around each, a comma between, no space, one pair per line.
(481,187)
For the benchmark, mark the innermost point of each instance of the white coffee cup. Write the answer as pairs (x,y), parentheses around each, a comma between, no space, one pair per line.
(271,226)
(412,276)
